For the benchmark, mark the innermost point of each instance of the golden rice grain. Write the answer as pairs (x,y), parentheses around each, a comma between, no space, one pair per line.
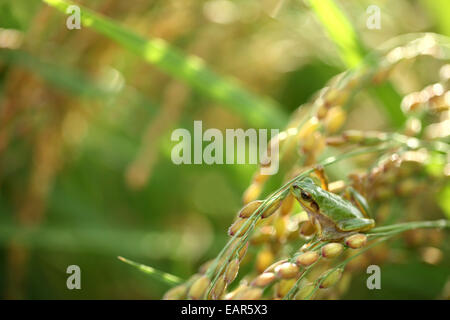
(249,209)
(264,279)
(331,279)
(287,270)
(198,288)
(231,271)
(356,241)
(308,258)
(176,293)
(332,250)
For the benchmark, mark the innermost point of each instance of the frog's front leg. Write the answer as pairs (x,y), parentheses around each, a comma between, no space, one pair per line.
(359,201)
(317,225)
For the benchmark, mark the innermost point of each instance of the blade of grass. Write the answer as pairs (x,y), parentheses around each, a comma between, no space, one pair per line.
(340,30)
(258,111)
(157,274)
(352,52)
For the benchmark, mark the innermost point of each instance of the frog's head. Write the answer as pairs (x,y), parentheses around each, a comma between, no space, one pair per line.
(306,192)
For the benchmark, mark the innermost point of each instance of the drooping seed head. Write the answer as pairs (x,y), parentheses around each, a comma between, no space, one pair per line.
(236,292)
(332,250)
(308,128)
(334,119)
(218,288)
(335,96)
(331,278)
(313,143)
(272,208)
(176,293)
(243,251)
(308,258)
(198,288)
(283,287)
(264,279)
(271,268)
(356,241)
(249,209)
(381,75)
(304,292)
(250,294)
(236,227)
(322,111)
(231,271)
(287,270)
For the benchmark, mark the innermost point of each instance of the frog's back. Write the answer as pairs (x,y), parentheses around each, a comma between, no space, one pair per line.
(334,206)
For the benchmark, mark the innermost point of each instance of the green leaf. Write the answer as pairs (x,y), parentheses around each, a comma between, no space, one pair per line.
(340,30)
(161,275)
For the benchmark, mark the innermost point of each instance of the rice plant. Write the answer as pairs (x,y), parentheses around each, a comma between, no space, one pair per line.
(396,168)
(86,176)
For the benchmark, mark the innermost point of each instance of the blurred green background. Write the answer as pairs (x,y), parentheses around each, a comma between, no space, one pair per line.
(85,125)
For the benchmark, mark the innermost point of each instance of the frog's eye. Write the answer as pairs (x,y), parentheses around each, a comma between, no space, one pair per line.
(305,195)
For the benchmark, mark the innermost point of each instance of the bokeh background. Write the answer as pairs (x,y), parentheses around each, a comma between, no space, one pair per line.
(85,125)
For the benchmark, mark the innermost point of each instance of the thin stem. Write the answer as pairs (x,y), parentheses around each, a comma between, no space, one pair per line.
(400,227)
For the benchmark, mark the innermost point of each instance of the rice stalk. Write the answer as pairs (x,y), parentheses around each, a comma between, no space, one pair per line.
(400,156)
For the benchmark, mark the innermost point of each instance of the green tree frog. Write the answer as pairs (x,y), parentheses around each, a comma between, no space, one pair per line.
(334,217)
